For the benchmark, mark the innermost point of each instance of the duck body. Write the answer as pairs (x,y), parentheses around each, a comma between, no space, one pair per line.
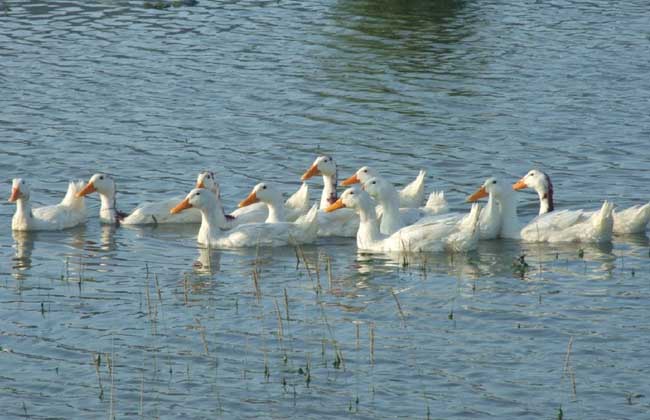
(156,213)
(632,220)
(572,226)
(272,233)
(70,212)
(394,218)
(442,235)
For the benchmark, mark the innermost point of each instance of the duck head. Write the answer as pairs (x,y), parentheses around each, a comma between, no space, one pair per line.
(200,198)
(19,189)
(353,198)
(101,183)
(534,179)
(323,165)
(377,187)
(541,183)
(263,192)
(491,186)
(207,180)
(361,176)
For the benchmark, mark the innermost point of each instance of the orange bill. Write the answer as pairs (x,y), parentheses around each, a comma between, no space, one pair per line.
(313,171)
(519,185)
(480,193)
(354,179)
(15,194)
(200,184)
(338,204)
(89,188)
(252,198)
(183,205)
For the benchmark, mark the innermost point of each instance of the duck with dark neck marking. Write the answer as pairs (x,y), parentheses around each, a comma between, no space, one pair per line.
(631,220)
(562,226)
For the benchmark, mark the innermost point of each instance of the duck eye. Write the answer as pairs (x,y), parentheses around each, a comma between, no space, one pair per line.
(101,177)
(494,182)
(374,182)
(264,187)
(198,193)
(351,192)
(365,171)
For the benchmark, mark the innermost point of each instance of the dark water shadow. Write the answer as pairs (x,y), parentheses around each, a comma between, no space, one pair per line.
(403,28)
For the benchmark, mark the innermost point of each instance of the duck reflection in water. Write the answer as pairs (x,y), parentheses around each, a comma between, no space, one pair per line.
(107,238)
(209,261)
(23,246)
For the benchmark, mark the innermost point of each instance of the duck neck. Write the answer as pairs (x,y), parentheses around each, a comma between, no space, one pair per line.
(212,218)
(510,227)
(23,210)
(491,205)
(391,220)
(329,191)
(369,232)
(545,200)
(107,211)
(276,212)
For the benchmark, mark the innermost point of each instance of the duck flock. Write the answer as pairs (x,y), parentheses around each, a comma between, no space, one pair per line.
(371,209)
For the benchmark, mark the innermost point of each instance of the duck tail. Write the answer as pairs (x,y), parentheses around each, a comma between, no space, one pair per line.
(437,203)
(415,189)
(603,221)
(300,199)
(71,199)
(632,220)
(470,222)
(466,238)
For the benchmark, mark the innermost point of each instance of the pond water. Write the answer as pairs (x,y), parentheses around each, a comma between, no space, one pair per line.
(141,322)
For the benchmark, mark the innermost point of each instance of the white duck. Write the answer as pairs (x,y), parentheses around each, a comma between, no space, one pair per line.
(392,217)
(147,213)
(295,206)
(342,223)
(303,230)
(631,220)
(70,212)
(451,235)
(563,226)
(411,196)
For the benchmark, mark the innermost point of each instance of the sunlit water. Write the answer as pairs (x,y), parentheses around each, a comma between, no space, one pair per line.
(100,322)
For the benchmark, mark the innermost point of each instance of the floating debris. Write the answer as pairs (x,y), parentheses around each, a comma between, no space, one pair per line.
(520,266)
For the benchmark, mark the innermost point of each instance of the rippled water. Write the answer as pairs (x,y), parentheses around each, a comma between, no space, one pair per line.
(125,323)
